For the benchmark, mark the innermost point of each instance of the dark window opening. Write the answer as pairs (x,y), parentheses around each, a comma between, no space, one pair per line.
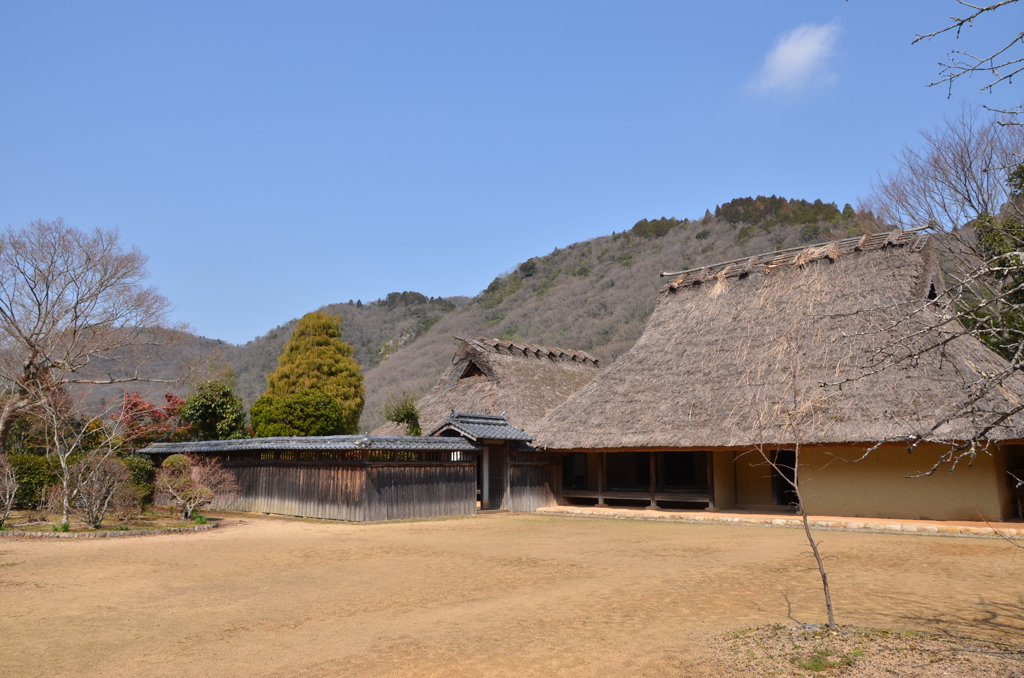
(472,371)
(574,471)
(783,476)
(932,294)
(629,471)
(682,470)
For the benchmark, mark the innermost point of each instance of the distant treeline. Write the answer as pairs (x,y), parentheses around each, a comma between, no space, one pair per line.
(414,299)
(775,210)
(656,228)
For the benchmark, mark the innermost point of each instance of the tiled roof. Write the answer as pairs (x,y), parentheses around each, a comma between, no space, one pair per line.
(482,427)
(356,442)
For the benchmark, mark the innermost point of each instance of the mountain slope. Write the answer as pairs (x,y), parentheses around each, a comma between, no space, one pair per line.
(593,295)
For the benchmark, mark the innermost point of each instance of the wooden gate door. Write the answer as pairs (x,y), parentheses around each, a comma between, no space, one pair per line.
(493,473)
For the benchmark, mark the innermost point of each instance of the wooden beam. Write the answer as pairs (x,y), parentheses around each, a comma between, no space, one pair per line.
(485,496)
(601,470)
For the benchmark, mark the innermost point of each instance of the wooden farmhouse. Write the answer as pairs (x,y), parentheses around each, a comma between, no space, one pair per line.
(818,349)
(840,353)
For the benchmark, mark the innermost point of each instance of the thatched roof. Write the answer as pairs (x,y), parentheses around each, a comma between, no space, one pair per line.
(491,376)
(715,366)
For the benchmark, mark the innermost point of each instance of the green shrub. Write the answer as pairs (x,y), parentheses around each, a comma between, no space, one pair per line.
(143,472)
(402,409)
(34,474)
(199,519)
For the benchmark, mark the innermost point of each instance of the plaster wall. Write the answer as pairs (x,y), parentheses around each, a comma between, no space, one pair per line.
(753,480)
(725,479)
(879,486)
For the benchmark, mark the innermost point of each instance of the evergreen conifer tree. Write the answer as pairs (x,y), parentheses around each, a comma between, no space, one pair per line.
(306,413)
(315,358)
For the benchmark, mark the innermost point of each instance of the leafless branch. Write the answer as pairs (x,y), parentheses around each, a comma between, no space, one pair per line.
(999,64)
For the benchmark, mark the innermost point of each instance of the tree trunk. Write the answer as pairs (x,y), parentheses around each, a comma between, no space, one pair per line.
(821,568)
(810,538)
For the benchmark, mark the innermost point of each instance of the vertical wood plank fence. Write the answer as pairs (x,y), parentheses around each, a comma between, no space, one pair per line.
(354,492)
(535,481)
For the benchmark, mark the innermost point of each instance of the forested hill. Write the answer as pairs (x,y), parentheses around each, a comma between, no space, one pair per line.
(593,295)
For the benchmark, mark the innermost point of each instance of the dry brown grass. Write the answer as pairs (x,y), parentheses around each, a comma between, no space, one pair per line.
(797,651)
(492,595)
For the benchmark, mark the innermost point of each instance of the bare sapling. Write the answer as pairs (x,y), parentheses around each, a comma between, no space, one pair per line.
(191,482)
(790,417)
(80,448)
(785,406)
(8,489)
(102,484)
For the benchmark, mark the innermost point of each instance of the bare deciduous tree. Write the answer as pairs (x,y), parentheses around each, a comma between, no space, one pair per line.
(103,482)
(967,184)
(191,482)
(8,489)
(957,174)
(73,310)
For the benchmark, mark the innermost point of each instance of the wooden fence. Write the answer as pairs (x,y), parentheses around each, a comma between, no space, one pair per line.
(355,491)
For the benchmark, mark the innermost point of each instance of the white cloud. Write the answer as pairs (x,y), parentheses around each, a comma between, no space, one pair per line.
(799,60)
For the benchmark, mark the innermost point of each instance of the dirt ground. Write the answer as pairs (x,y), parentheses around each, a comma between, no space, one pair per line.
(491,595)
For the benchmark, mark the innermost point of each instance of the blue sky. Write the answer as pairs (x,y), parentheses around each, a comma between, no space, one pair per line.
(274,157)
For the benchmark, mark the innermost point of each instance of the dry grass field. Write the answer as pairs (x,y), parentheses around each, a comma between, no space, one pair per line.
(492,595)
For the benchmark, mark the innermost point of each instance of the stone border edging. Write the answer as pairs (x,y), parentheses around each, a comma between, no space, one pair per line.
(102,534)
(848,525)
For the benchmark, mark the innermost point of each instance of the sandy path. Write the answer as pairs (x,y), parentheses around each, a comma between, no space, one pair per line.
(493,595)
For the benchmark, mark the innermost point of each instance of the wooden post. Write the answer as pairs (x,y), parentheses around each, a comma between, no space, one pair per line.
(711,480)
(654,481)
(507,498)
(600,479)
(485,495)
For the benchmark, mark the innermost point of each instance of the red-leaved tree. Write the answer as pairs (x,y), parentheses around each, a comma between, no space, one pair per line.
(142,423)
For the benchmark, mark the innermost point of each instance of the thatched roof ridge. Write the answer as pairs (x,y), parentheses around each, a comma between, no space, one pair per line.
(727,351)
(521,350)
(799,256)
(493,376)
